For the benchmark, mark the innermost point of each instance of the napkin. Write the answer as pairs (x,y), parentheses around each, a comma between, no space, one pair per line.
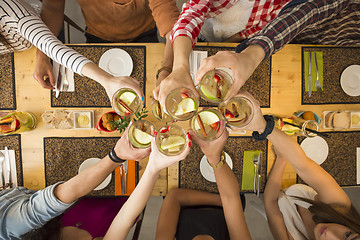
(12,167)
(358,165)
(319,57)
(195,60)
(130,179)
(65,74)
(248,173)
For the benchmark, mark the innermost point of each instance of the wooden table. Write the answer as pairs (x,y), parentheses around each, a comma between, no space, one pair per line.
(285,99)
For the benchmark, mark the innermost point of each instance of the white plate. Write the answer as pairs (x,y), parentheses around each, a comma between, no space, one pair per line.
(89,114)
(350,80)
(88,163)
(207,171)
(117,62)
(315,148)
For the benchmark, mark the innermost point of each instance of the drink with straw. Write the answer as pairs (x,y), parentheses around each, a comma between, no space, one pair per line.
(17,122)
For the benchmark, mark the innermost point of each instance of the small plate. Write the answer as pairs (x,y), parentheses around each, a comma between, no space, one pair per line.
(117,62)
(88,163)
(350,80)
(207,171)
(89,114)
(315,148)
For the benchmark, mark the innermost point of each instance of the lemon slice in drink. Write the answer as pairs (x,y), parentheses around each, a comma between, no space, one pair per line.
(185,106)
(83,120)
(142,137)
(172,142)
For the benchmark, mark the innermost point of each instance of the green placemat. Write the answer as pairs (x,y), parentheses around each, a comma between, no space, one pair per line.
(257,85)
(7,82)
(341,160)
(189,168)
(335,61)
(63,156)
(13,142)
(89,93)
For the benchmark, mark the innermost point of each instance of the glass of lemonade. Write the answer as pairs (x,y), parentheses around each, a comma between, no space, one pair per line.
(181,104)
(238,111)
(159,113)
(17,122)
(171,140)
(208,124)
(215,85)
(125,102)
(140,134)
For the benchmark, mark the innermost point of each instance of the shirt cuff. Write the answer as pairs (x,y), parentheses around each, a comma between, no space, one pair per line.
(264,42)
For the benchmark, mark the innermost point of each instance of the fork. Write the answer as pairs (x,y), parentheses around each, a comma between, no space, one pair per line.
(317,83)
(125,170)
(255,162)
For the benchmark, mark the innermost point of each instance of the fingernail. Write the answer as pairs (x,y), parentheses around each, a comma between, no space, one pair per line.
(189,144)
(142,98)
(189,137)
(227,125)
(155,134)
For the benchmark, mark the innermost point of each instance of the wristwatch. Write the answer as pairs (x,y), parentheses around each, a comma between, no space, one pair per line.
(221,162)
(162,69)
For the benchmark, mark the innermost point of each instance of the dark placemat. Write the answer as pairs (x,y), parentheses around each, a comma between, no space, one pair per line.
(341,161)
(189,169)
(13,142)
(335,60)
(7,82)
(63,156)
(89,93)
(257,85)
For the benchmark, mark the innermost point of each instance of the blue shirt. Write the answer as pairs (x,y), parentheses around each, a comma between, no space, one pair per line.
(22,210)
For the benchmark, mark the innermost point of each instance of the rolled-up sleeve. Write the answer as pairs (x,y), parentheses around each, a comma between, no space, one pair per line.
(165,13)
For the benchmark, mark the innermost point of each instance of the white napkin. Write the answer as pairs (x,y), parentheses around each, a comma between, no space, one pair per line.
(195,60)
(358,165)
(65,73)
(12,167)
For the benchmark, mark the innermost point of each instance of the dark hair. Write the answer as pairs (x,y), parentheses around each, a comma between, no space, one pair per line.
(50,231)
(331,213)
(5,43)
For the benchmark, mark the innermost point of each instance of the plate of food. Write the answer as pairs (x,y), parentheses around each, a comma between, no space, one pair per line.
(315,148)
(337,120)
(117,62)
(90,162)
(68,119)
(350,80)
(83,119)
(208,172)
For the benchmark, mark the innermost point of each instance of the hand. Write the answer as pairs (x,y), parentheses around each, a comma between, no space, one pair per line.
(177,79)
(258,123)
(211,149)
(112,84)
(242,64)
(43,72)
(158,161)
(162,75)
(125,150)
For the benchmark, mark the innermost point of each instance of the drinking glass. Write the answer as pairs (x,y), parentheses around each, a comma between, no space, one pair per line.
(215,85)
(140,133)
(208,124)
(181,104)
(125,102)
(159,113)
(171,140)
(238,111)
(17,122)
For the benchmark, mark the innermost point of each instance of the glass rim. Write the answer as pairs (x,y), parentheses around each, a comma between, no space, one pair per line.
(157,138)
(132,126)
(307,133)
(251,106)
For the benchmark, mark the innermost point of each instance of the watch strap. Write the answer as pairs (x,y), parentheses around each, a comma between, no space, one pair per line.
(268,129)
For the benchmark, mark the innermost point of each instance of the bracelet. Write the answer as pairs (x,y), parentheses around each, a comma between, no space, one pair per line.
(268,129)
(162,69)
(220,163)
(114,157)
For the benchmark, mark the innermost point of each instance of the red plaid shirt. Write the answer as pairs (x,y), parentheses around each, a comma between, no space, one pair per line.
(196,11)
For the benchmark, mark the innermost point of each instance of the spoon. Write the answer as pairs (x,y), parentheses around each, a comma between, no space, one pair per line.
(2,158)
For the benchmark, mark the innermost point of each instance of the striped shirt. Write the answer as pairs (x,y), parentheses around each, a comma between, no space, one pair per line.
(327,22)
(196,11)
(21,27)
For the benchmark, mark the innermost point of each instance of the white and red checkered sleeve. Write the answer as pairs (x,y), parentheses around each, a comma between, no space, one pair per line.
(191,20)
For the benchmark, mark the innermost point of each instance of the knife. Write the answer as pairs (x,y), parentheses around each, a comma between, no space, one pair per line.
(7,166)
(259,174)
(125,169)
(121,179)
(310,76)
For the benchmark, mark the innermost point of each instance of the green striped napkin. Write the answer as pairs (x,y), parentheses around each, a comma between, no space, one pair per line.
(247,182)
(319,57)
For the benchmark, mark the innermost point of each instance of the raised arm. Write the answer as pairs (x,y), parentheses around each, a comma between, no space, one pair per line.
(171,206)
(325,185)
(124,220)
(227,185)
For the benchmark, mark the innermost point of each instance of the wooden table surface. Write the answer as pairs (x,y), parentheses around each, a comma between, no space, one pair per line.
(285,99)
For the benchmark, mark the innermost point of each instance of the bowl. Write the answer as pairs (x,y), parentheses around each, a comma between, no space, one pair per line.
(100,126)
(300,113)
